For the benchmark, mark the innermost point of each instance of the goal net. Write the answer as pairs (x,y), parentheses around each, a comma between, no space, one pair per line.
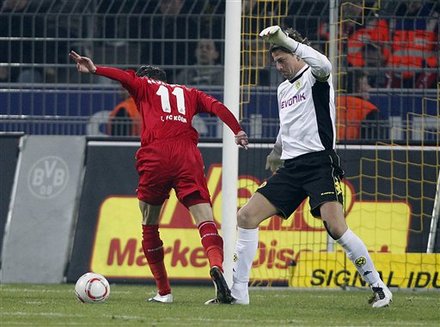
(392,168)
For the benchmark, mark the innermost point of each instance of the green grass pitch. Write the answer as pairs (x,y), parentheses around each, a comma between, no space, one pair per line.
(56,305)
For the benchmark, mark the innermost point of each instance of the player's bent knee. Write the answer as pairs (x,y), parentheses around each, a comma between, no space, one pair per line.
(245,219)
(334,230)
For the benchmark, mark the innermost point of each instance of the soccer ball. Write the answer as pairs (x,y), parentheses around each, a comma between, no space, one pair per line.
(92,288)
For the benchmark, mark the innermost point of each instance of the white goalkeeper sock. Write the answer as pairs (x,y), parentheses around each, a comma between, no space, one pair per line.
(358,254)
(245,251)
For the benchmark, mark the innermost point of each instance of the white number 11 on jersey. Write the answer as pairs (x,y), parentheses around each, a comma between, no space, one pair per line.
(165,99)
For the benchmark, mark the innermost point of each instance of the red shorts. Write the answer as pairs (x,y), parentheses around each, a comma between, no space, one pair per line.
(171,164)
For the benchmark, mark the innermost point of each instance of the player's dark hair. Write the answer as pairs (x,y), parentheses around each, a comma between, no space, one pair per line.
(293,34)
(152,72)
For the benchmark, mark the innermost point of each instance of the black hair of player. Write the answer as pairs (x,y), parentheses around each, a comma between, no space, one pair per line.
(152,72)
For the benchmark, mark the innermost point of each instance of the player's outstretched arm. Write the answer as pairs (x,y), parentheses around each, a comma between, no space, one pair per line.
(83,64)
(128,79)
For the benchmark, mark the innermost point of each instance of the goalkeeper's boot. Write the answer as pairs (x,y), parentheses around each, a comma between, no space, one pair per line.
(168,298)
(222,291)
(382,296)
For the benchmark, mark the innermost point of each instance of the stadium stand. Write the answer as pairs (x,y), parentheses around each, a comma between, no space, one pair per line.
(356,116)
(414,40)
(206,70)
(41,92)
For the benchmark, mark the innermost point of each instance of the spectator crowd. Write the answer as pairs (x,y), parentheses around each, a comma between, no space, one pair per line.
(394,47)
(396,44)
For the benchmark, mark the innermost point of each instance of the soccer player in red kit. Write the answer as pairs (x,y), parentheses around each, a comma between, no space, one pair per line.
(169,158)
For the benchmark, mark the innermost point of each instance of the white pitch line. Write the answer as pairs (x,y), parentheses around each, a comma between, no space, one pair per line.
(181,322)
(68,323)
(28,290)
(41,314)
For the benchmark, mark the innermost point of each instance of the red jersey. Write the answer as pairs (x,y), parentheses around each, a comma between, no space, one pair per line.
(167,109)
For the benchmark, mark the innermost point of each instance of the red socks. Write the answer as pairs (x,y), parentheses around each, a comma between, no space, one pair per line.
(153,250)
(212,243)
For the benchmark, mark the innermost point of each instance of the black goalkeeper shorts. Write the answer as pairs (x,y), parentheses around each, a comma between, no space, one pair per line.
(316,175)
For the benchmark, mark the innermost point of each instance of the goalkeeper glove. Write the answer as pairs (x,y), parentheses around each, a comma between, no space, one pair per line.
(273,161)
(275,35)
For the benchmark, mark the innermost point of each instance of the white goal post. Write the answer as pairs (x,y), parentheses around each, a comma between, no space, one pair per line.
(230,150)
(434,219)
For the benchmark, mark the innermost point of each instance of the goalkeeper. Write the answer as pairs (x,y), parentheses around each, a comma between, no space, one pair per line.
(169,158)
(306,144)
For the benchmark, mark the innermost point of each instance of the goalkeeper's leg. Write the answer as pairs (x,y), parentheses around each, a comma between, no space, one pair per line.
(245,250)
(359,256)
(334,221)
(257,209)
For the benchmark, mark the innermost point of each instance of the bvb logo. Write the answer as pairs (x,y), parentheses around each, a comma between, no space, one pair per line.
(360,261)
(48,177)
